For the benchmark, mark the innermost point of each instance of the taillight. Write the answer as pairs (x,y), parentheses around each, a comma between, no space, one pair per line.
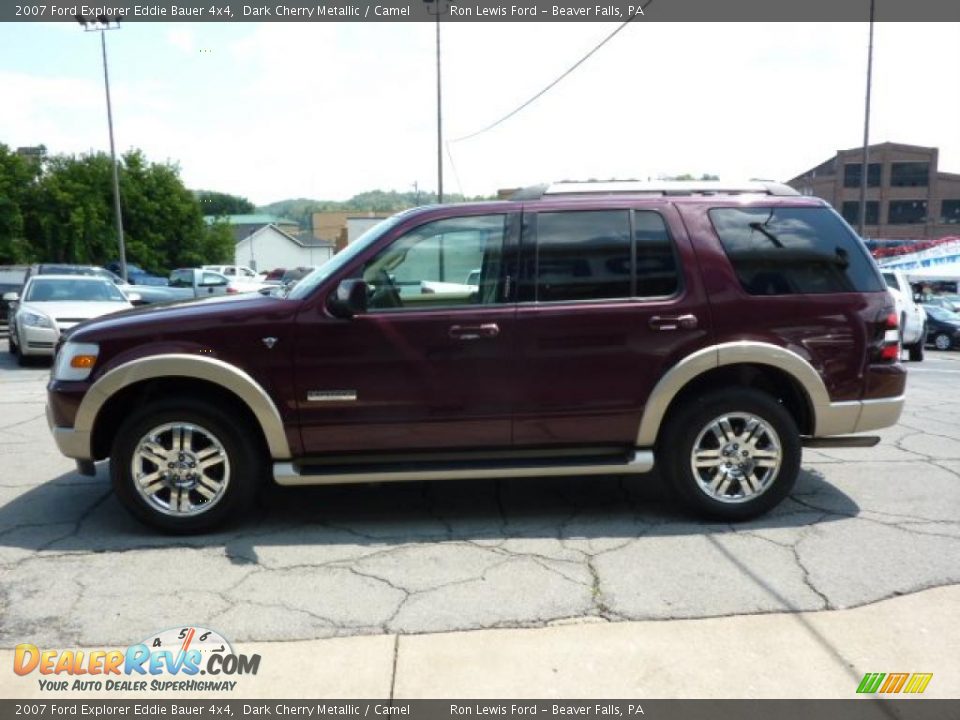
(232,291)
(889,346)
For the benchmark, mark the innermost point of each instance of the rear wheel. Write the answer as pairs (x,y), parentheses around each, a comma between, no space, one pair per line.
(731,455)
(185,466)
(942,341)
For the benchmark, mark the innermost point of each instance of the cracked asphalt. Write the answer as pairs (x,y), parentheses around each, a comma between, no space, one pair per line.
(862,525)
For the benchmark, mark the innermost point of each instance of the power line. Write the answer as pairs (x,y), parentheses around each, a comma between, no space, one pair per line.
(549,87)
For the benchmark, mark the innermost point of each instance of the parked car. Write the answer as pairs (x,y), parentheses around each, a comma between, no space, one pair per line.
(274,276)
(189,283)
(140,294)
(53,304)
(948,301)
(913,319)
(11,281)
(136,275)
(943,327)
(711,329)
(237,272)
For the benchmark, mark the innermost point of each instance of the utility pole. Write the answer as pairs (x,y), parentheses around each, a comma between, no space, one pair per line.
(437,13)
(102,24)
(865,164)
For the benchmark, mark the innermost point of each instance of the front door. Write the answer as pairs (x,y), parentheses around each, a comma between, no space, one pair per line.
(429,365)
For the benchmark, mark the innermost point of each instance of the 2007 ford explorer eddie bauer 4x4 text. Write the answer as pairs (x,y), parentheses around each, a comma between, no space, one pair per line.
(576,329)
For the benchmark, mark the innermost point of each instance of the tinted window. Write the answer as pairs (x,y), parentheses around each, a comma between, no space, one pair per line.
(444,263)
(907,212)
(656,265)
(782,251)
(851,212)
(909,174)
(583,255)
(181,278)
(852,175)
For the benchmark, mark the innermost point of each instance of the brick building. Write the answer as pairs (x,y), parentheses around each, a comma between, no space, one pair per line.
(907,196)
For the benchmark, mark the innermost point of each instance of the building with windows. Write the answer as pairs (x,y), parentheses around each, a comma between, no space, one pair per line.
(908,197)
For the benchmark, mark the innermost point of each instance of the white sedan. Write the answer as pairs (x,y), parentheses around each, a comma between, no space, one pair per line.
(52,304)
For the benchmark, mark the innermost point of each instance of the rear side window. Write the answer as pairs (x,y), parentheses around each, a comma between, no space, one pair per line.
(787,251)
(592,255)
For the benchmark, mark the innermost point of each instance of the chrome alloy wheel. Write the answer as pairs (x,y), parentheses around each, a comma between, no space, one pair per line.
(180,469)
(736,457)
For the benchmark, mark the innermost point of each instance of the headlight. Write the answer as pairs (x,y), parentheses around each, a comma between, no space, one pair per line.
(34,320)
(75,361)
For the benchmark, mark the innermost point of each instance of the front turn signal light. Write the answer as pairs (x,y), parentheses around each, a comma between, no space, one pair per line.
(83,362)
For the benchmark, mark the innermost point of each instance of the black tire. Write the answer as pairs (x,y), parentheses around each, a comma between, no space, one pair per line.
(688,422)
(942,341)
(22,360)
(245,463)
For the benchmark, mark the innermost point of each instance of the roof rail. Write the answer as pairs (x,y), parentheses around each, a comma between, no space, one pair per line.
(655,187)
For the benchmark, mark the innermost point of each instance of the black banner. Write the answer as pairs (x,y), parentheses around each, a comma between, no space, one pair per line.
(483,10)
(853,709)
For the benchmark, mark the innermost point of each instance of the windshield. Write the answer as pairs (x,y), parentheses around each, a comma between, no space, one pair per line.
(343,258)
(62,290)
(940,313)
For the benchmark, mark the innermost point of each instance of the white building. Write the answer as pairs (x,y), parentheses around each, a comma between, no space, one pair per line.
(270,247)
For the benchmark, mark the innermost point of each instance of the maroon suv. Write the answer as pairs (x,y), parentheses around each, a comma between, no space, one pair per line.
(577,329)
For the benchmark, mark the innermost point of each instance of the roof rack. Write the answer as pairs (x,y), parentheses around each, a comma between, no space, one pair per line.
(655,187)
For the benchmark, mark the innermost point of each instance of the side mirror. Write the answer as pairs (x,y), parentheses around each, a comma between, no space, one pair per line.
(134,298)
(10,297)
(349,299)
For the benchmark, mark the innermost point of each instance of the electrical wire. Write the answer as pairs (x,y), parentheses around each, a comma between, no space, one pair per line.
(549,87)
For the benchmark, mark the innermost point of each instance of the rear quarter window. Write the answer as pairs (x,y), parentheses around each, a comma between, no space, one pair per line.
(790,250)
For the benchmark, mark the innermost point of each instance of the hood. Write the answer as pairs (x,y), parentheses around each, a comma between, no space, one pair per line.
(69,313)
(182,316)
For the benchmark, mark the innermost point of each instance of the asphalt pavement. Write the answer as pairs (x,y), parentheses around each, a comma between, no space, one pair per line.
(863,525)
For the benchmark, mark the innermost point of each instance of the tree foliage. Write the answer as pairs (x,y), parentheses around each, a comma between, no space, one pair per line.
(218,203)
(60,209)
(380,201)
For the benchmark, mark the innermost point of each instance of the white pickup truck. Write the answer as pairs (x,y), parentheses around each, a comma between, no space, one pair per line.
(913,318)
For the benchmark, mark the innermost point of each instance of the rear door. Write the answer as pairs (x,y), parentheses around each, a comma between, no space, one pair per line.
(609,300)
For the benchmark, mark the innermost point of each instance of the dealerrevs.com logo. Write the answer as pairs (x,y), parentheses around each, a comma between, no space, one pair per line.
(169,661)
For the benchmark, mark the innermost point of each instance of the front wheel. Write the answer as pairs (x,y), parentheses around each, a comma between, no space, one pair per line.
(731,455)
(942,341)
(185,466)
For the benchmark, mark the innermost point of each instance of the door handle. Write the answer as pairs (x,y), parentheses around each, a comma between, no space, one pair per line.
(474,332)
(673,322)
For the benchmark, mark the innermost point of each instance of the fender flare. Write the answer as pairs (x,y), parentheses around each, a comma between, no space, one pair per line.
(828,418)
(227,376)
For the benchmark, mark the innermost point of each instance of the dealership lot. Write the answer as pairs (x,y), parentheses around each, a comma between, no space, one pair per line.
(862,525)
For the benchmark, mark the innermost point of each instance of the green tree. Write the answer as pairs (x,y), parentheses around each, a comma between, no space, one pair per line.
(218,203)
(17,180)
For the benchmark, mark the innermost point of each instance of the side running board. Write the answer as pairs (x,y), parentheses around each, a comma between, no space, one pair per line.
(292,473)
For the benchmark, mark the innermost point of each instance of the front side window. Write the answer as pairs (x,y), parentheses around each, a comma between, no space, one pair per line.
(791,250)
(445,263)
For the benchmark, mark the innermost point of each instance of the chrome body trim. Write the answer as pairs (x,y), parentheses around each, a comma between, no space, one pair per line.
(331,395)
(218,372)
(286,473)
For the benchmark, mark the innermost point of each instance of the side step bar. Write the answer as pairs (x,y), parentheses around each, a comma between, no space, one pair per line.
(841,441)
(289,473)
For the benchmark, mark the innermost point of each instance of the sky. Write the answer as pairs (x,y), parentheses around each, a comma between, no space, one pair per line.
(327,110)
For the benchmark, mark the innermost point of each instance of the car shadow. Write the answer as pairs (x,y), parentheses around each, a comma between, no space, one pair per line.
(73,513)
